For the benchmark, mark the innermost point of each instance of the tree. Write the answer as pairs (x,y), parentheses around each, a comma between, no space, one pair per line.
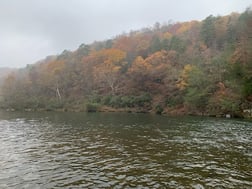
(53,77)
(138,74)
(226,99)
(183,79)
(208,31)
(9,87)
(155,45)
(107,72)
(197,90)
(177,44)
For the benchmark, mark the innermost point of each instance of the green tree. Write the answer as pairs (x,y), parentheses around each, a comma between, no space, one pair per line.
(208,31)
(198,90)
(155,44)
(177,44)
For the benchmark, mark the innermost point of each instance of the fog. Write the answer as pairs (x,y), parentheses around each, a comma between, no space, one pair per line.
(31,30)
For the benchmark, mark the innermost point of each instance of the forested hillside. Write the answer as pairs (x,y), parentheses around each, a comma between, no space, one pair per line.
(181,68)
(4,72)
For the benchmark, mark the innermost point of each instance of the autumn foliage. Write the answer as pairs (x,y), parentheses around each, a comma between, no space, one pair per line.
(192,67)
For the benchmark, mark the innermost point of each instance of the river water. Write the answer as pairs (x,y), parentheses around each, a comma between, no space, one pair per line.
(112,150)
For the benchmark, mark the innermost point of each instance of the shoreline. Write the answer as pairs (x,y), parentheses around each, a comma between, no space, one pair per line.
(107,109)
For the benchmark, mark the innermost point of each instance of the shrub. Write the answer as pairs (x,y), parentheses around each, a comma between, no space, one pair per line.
(92,107)
(106,100)
(115,101)
(158,109)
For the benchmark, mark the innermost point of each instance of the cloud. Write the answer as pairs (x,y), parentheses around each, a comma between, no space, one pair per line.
(31,30)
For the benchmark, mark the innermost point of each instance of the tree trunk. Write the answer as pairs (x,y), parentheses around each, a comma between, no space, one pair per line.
(58,93)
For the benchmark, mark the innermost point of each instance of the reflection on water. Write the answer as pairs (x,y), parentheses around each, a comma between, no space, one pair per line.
(78,150)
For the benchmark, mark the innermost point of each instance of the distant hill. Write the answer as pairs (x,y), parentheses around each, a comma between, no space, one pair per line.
(4,72)
(197,67)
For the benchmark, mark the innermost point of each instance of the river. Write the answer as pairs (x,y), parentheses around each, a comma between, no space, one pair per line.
(117,150)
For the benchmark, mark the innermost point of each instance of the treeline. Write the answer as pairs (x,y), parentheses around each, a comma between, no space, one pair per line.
(182,68)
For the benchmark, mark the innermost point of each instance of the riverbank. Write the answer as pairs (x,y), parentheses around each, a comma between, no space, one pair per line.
(178,111)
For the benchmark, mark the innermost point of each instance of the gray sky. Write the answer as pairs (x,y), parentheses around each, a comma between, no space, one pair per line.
(32,29)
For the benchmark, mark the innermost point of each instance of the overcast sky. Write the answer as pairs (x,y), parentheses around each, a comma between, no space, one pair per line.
(32,29)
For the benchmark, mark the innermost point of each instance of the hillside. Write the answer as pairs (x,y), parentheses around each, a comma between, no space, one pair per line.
(4,72)
(182,68)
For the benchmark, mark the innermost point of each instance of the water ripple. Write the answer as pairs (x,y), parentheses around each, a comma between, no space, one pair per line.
(133,151)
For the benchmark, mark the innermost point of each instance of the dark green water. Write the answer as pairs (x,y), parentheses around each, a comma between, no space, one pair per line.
(104,150)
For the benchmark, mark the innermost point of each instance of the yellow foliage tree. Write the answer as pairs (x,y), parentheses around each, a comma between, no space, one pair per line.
(107,72)
(183,79)
(52,76)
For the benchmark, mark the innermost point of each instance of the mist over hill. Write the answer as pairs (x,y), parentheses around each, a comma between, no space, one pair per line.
(196,67)
(4,72)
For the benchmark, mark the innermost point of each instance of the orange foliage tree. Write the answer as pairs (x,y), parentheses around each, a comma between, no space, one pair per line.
(107,71)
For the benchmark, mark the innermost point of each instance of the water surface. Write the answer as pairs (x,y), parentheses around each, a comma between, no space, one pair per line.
(111,150)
